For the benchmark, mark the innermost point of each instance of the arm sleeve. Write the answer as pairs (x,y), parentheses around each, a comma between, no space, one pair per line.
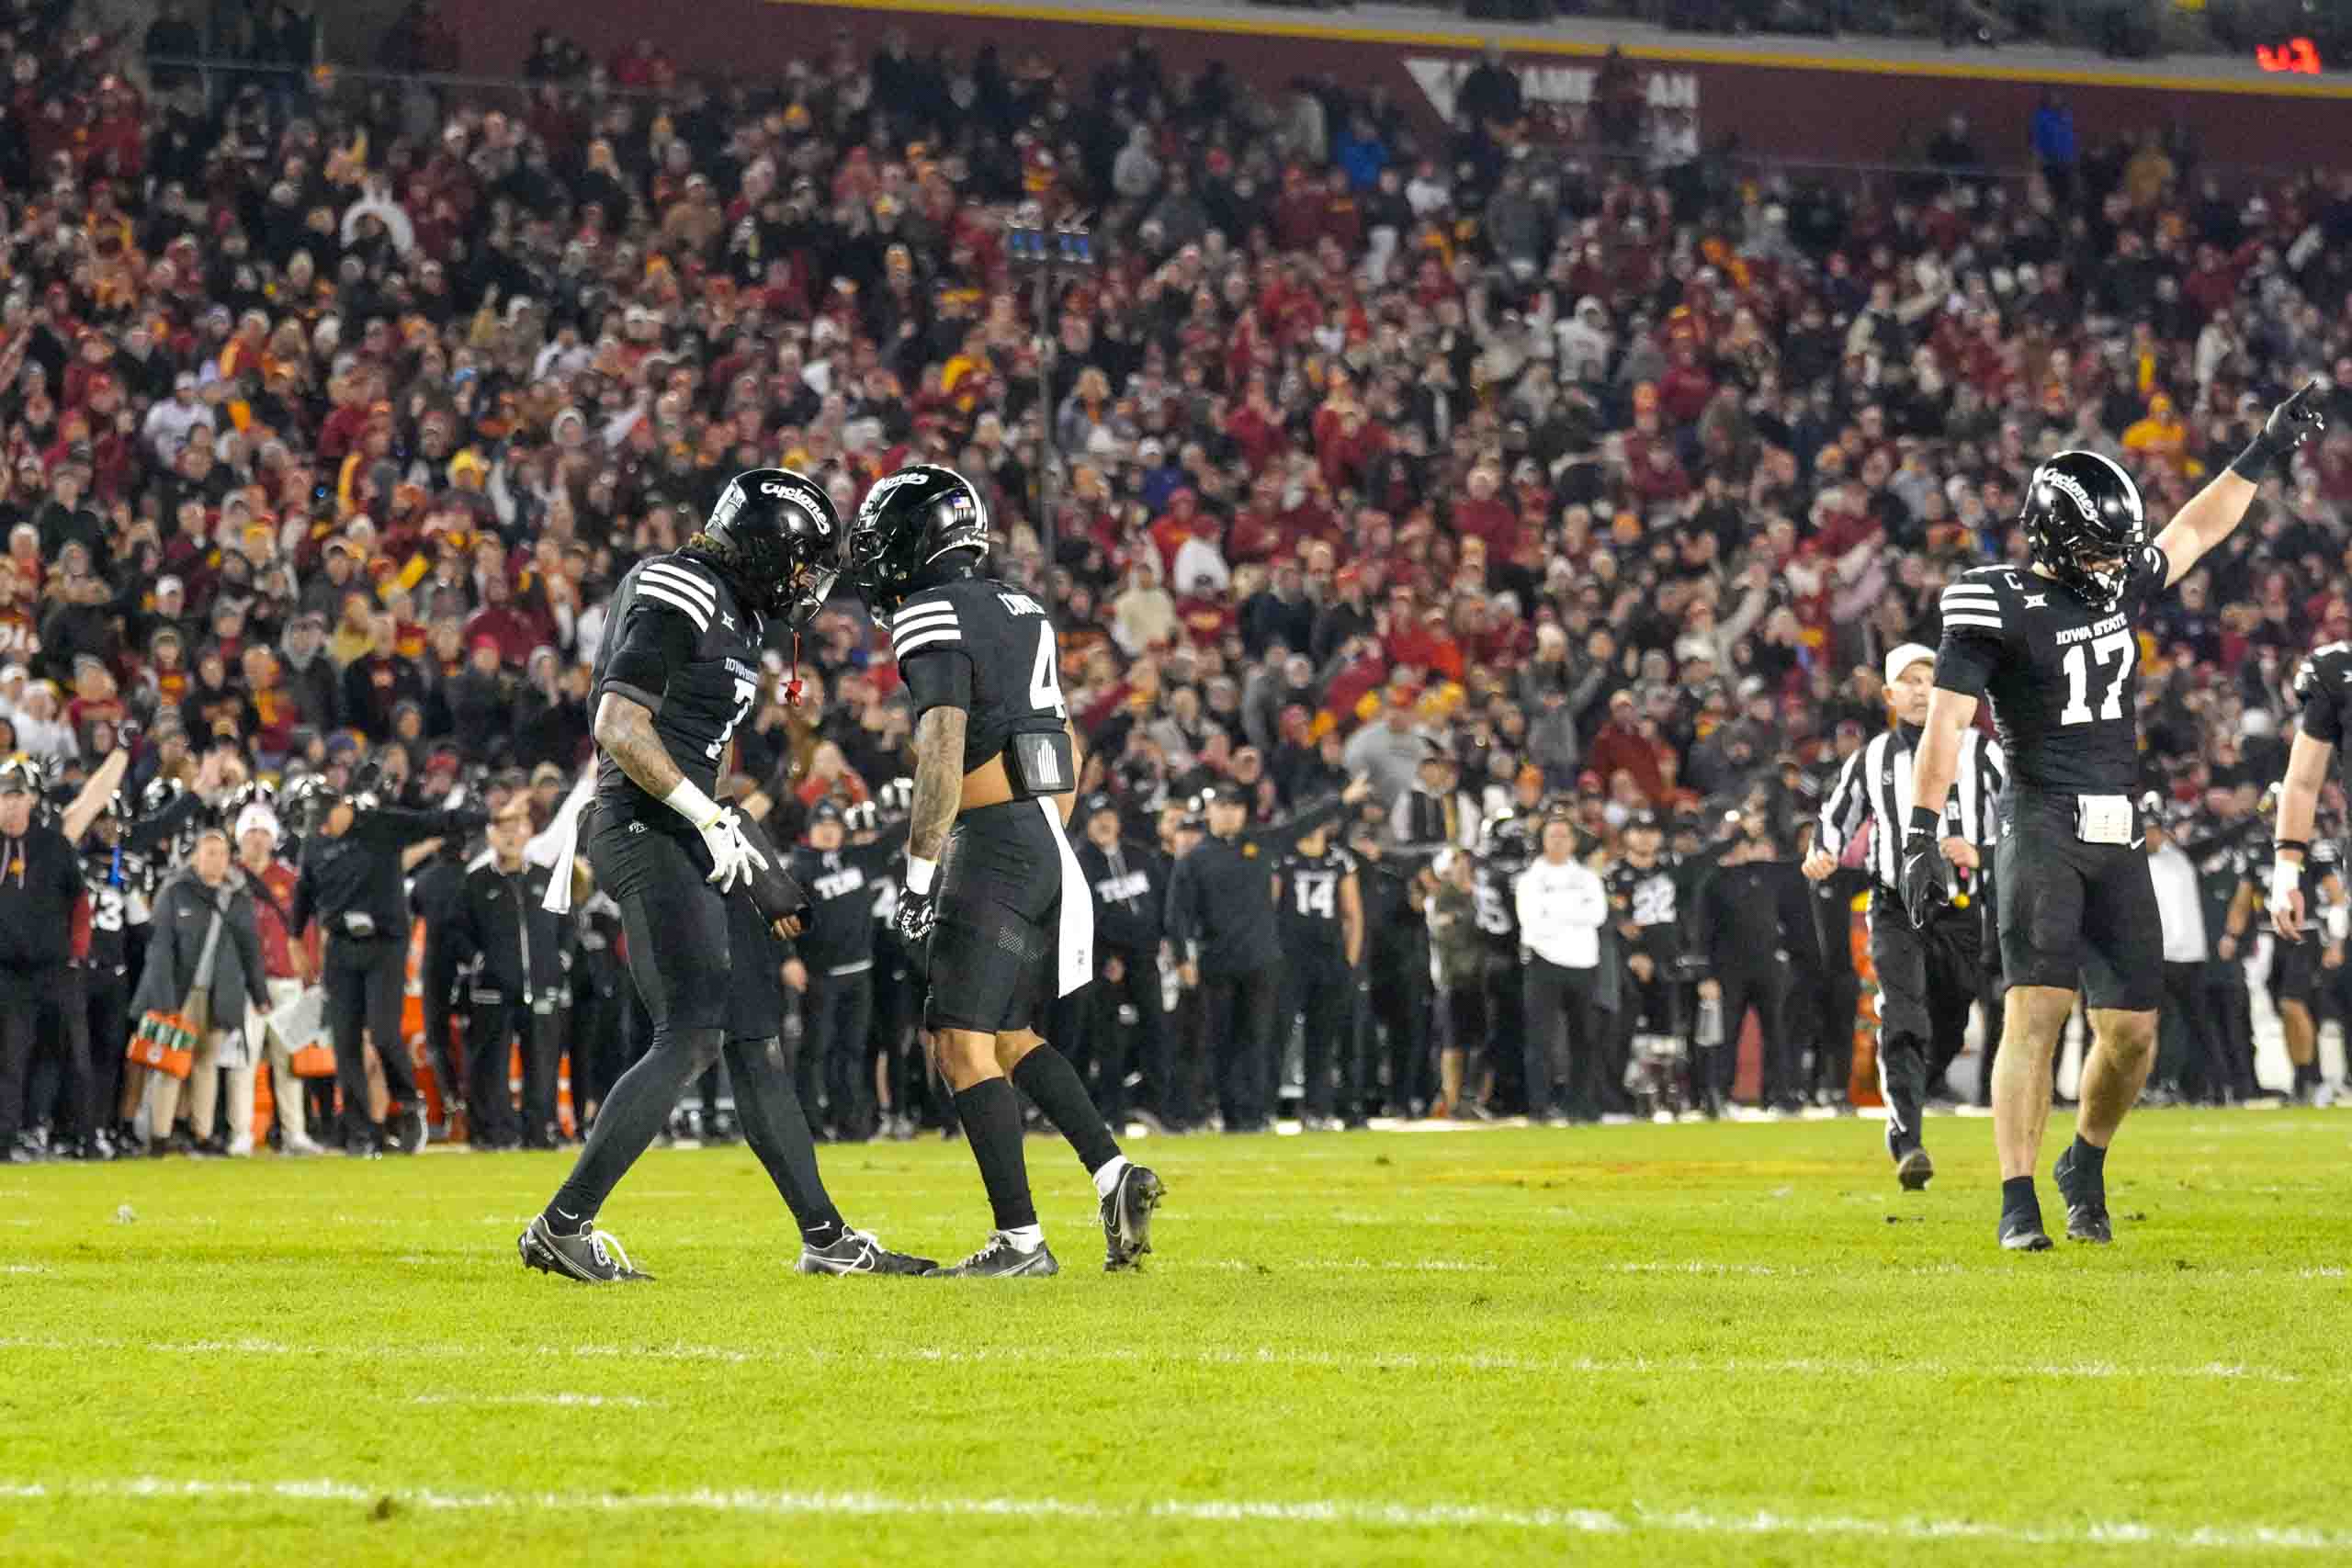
(1973,633)
(396,827)
(158,826)
(656,637)
(1846,808)
(939,675)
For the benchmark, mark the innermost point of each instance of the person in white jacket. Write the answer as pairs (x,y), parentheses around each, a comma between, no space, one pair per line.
(1562,908)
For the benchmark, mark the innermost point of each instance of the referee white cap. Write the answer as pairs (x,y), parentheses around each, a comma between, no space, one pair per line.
(1906,656)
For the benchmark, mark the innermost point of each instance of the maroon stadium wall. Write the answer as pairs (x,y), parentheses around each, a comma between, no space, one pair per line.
(1781,105)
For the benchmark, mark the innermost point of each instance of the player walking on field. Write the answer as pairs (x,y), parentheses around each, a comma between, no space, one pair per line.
(2053,646)
(1007,920)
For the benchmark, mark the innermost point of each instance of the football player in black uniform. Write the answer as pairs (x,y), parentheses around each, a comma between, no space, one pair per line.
(2324,686)
(1322,942)
(1644,889)
(1007,921)
(678,672)
(2053,646)
(832,966)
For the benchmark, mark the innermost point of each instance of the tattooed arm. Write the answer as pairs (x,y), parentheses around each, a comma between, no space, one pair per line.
(625,729)
(939,781)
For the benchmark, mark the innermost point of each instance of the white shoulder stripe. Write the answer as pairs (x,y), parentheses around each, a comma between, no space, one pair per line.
(947,634)
(1981,623)
(1967,595)
(907,620)
(694,612)
(662,572)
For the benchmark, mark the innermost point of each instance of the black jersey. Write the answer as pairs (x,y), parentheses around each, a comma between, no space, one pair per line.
(1494,899)
(118,881)
(1308,898)
(1647,897)
(679,643)
(2324,687)
(2064,677)
(1006,639)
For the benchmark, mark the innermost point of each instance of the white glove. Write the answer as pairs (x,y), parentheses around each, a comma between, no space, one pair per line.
(732,858)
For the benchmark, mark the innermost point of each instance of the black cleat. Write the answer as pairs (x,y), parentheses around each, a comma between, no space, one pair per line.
(2086,1196)
(1001,1259)
(2023,1233)
(592,1256)
(856,1252)
(1915,1171)
(1127,1218)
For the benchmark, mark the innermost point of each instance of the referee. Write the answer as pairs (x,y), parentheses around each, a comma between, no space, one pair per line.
(1928,975)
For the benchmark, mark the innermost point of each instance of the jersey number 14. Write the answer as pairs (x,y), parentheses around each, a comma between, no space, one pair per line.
(2118,649)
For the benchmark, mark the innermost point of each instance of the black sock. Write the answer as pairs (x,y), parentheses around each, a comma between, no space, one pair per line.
(2018,1196)
(2307,1074)
(632,1117)
(1045,1075)
(2088,1157)
(991,1118)
(777,1130)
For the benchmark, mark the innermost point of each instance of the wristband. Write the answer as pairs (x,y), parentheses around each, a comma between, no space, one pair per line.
(1925,819)
(2301,846)
(918,875)
(2286,875)
(693,805)
(2253,464)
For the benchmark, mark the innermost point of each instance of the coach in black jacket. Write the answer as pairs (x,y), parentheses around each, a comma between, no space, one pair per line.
(1221,911)
(1130,885)
(515,980)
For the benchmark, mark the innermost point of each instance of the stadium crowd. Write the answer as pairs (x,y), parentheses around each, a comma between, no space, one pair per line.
(1542,470)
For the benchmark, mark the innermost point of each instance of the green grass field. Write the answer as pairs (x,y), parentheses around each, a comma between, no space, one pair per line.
(1730,1344)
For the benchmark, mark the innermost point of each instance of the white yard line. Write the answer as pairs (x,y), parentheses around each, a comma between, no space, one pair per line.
(557,1401)
(1330,1513)
(1262,1355)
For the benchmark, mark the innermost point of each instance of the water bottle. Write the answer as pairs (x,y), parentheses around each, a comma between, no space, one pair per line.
(1710,1030)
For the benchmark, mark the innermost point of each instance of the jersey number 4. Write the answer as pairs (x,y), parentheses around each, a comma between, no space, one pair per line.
(2118,649)
(1044,677)
(744,692)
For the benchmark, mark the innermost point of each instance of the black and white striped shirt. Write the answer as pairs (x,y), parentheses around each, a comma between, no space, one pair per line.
(1875,785)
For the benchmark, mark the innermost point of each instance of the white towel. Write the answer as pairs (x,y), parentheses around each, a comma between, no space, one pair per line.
(560,842)
(1078,909)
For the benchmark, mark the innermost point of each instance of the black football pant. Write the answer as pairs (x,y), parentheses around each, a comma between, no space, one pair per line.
(1928,977)
(836,1014)
(1237,1023)
(1103,1044)
(1398,1006)
(1752,987)
(60,1058)
(438,978)
(102,1014)
(1563,1033)
(491,1030)
(364,982)
(1506,1028)
(1321,992)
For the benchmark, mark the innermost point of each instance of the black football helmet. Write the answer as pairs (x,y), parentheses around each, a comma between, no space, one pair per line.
(307,801)
(907,520)
(2083,523)
(775,538)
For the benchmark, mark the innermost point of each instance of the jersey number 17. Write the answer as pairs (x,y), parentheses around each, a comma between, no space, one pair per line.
(2118,649)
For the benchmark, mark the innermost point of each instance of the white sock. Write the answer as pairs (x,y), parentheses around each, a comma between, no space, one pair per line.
(1106,1180)
(1028,1238)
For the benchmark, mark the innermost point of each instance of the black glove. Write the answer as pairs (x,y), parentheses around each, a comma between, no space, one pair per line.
(1926,877)
(912,920)
(2291,424)
(773,889)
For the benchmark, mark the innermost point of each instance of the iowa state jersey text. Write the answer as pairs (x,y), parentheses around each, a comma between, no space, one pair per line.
(2064,679)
